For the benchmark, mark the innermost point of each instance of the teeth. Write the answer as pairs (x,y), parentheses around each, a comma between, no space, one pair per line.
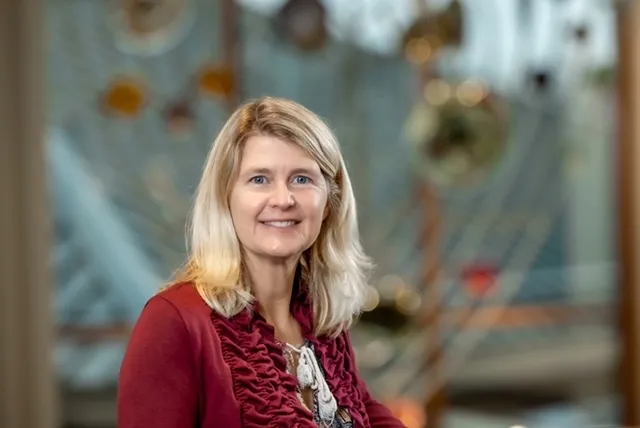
(280,223)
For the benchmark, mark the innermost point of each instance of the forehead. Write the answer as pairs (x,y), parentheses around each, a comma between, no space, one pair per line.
(268,152)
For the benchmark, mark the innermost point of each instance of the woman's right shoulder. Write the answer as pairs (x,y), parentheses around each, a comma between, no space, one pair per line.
(178,303)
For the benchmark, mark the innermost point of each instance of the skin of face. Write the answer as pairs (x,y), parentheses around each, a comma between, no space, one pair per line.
(279,199)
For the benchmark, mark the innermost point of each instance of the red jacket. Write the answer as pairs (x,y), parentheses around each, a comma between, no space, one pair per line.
(188,367)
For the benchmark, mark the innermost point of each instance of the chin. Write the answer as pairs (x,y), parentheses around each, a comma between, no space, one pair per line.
(283,251)
(282,254)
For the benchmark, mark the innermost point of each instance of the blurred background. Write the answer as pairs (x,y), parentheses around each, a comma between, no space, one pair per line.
(491,158)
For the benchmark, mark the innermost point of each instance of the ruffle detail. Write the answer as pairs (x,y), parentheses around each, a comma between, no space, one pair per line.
(340,374)
(266,392)
(337,363)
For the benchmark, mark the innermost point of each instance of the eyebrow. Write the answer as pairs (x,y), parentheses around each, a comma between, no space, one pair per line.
(253,171)
(267,171)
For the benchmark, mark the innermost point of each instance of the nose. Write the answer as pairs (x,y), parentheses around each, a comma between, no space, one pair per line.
(282,197)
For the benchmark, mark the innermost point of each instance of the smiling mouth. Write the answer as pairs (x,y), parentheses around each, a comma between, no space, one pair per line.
(281,224)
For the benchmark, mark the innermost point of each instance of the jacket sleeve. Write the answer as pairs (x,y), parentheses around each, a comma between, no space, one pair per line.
(157,386)
(379,415)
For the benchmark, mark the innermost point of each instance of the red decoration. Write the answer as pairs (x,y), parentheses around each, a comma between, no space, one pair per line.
(480,279)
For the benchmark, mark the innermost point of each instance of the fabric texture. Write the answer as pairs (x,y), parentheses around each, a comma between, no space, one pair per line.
(187,366)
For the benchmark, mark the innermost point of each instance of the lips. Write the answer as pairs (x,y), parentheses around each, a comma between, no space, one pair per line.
(280,223)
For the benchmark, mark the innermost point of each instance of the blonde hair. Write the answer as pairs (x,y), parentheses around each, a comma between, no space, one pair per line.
(335,269)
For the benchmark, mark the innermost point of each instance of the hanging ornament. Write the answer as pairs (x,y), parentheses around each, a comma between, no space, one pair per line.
(303,22)
(216,81)
(150,27)
(180,119)
(431,32)
(581,33)
(541,81)
(459,133)
(124,97)
(479,279)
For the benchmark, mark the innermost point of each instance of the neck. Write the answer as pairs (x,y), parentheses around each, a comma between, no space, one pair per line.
(272,285)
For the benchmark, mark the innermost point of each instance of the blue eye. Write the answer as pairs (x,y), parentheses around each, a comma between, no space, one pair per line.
(301,179)
(260,179)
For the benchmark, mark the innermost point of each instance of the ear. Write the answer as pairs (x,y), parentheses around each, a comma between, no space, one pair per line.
(327,210)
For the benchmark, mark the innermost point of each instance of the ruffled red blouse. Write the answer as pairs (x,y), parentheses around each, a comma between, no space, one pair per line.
(187,367)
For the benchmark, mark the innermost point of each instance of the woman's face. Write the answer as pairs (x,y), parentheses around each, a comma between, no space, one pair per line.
(278,201)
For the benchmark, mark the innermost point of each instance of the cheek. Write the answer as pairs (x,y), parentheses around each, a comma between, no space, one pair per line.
(242,206)
(234,207)
(318,207)
(239,215)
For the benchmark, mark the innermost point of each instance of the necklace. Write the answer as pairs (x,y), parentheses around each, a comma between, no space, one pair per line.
(310,376)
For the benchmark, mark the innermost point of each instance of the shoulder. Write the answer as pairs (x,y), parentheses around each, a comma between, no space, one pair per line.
(183,296)
(178,308)
(184,299)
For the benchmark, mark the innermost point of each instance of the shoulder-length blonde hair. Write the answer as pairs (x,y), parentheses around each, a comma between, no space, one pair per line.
(335,268)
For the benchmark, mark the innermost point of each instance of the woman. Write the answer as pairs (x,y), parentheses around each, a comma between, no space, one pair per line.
(254,331)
